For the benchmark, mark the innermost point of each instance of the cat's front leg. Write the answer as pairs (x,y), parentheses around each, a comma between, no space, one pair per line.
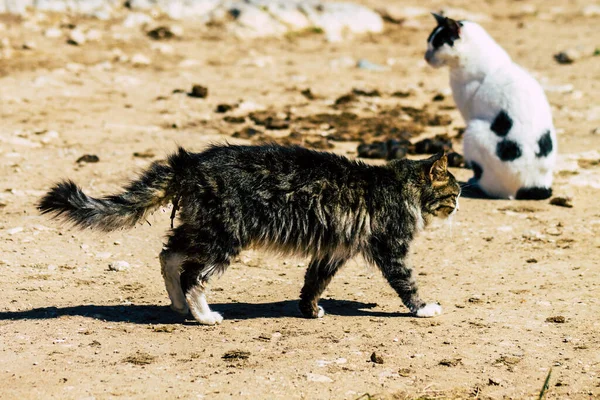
(318,275)
(399,275)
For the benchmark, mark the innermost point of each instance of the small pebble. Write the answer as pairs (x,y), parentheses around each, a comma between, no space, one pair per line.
(118,266)
(376,358)
(567,56)
(223,108)
(559,319)
(562,201)
(494,381)
(88,158)
(199,91)
(28,46)
(161,33)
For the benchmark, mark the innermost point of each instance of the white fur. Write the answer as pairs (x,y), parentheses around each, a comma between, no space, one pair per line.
(196,300)
(484,81)
(321,312)
(171,271)
(429,310)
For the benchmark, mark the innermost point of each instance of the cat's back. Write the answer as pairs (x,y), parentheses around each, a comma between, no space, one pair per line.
(512,89)
(283,164)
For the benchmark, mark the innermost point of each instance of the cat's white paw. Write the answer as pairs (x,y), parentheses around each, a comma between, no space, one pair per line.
(183,310)
(321,312)
(429,310)
(212,318)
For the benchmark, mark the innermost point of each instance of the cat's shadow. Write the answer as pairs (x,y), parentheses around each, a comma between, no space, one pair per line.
(154,314)
(471,191)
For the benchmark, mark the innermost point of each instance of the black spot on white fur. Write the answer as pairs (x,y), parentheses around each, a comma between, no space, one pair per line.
(502,124)
(545,145)
(508,150)
(534,193)
(477,170)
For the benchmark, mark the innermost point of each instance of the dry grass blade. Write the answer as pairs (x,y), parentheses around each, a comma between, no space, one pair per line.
(546,385)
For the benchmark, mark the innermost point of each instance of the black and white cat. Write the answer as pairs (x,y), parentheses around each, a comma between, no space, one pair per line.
(510,140)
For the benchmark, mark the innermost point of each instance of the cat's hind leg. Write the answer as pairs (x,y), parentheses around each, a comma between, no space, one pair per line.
(171,263)
(318,275)
(194,280)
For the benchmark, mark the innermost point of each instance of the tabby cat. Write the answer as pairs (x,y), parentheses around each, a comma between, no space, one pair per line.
(288,199)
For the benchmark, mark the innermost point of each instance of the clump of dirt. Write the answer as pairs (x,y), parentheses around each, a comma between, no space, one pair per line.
(236,355)
(299,139)
(270,120)
(140,358)
(451,362)
(394,126)
(393,149)
(347,126)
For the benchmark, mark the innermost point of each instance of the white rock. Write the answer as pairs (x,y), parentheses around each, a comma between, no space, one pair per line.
(248,106)
(140,59)
(254,22)
(163,48)
(189,63)
(15,230)
(136,19)
(93,35)
(118,266)
(318,378)
(76,37)
(103,255)
(53,33)
(49,136)
(289,15)
(176,30)
(591,10)
(74,67)
(342,62)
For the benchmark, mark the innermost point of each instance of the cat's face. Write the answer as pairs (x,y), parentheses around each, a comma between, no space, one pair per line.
(440,190)
(443,44)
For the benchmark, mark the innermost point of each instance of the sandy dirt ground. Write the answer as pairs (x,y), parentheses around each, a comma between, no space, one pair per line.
(519,281)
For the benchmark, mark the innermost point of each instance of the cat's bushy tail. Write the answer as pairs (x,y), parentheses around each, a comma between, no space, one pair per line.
(155,187)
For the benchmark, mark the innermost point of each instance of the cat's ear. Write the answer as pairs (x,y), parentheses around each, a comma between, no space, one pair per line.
(453,25)
(440,19)
(438,171)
